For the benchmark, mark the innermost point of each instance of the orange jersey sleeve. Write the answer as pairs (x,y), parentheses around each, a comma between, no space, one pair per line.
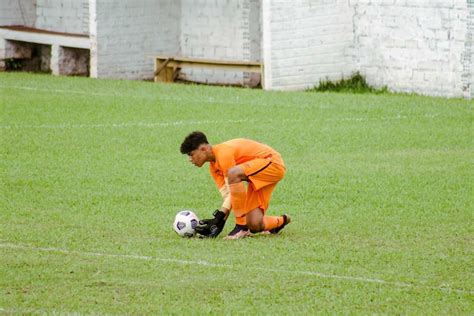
(224,161)
(237,151)
(218,176)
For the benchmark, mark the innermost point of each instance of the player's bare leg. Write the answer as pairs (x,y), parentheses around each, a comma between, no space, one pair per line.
(238,196)
(258,222)
(255,220)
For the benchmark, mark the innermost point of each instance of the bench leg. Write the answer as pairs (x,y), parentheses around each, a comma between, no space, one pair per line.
(175,73)
(163,73)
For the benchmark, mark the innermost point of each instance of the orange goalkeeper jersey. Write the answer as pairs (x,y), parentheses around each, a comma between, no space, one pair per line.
(237,151)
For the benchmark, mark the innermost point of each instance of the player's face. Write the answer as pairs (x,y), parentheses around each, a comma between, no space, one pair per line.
(198,156)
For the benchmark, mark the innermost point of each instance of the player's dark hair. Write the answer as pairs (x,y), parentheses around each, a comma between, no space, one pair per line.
(192,142)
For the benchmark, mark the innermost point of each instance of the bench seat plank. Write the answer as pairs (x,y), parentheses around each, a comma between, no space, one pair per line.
(166,67)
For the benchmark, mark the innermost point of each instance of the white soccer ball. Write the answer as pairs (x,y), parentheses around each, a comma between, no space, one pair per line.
(185,223)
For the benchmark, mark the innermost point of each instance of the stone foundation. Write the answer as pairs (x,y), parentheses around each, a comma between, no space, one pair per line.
(59,60)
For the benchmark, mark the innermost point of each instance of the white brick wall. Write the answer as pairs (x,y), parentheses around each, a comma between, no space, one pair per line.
(411,46)
(126,35)
(70,16)
(468,56)
(17,12)
(306,41)
(422,46)
(222,30)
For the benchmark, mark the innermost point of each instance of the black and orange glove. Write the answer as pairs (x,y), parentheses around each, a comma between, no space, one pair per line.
(211,227)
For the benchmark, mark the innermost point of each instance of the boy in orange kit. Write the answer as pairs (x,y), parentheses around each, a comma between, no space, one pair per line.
(231,163)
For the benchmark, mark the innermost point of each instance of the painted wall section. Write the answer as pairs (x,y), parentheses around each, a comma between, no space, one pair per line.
(69,16)
(414,46)
(306,41)
(221,30)
(468,56)
(126,35)
(18,12)
(421,46)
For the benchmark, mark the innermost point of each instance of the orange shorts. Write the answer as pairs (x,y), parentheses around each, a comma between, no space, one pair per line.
(263,176)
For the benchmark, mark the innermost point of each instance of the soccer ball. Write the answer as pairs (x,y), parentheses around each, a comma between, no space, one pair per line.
(185,223)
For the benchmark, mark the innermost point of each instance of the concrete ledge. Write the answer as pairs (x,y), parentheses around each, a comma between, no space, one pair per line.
(38,36)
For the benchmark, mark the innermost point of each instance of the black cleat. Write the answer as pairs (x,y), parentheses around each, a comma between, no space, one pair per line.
(286,221)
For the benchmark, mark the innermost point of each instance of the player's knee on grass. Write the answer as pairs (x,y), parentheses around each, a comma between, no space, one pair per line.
(255,228)
(255,221)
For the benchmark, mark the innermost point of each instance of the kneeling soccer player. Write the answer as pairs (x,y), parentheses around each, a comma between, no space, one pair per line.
(231,163)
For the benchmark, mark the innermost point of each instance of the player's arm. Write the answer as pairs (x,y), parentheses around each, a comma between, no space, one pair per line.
(226,204)
(223,187)
(212,227)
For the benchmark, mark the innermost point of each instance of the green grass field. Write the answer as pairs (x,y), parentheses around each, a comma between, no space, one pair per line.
(380,189)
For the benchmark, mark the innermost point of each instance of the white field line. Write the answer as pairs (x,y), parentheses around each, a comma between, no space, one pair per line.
(177,123)
(100,94)
(121,125)
(212,100)
(194,99)
(41,311)
(363,279)
(203,122)
(58,90)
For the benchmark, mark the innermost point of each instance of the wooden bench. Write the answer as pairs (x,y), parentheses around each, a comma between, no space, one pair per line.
(65,47)
(167,68)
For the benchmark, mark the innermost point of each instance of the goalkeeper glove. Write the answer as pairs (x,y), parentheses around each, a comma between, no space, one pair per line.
(211,227)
